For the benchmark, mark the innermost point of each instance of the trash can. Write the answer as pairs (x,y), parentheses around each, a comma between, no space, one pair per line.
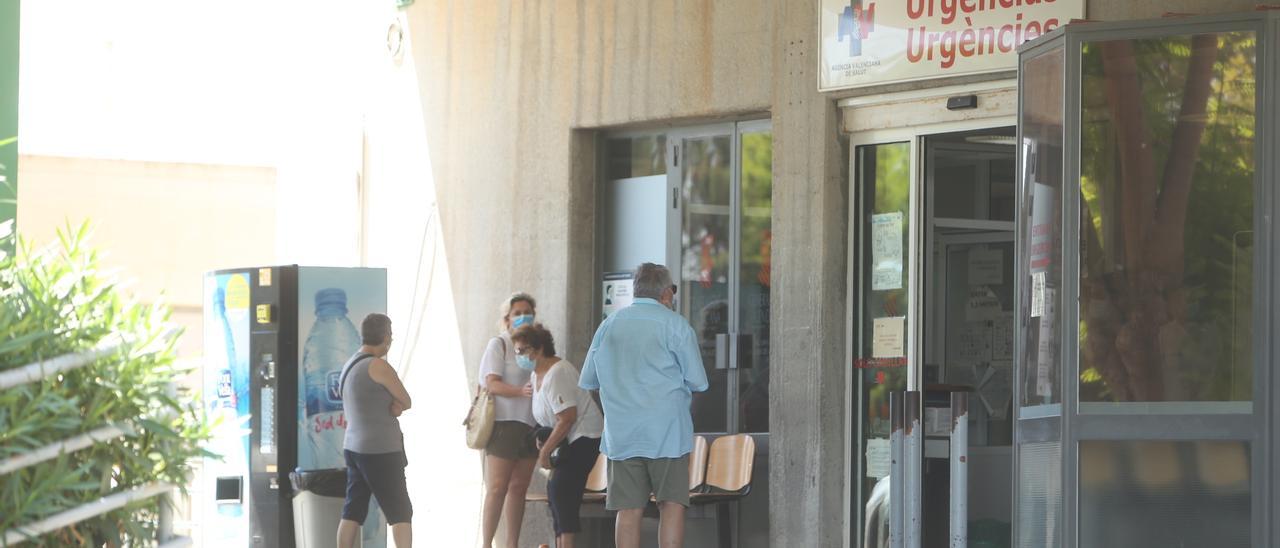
(317,506)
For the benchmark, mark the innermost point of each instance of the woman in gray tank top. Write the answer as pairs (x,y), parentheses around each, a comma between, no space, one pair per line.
(371,427)
(372,399)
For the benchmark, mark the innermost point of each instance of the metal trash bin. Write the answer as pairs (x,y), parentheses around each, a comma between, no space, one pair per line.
(317,506)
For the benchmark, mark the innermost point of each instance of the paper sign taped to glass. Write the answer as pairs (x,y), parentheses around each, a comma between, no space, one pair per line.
(888,337)
(879,458)
(616,293)
(886,251)
(1046,354)
(986,267)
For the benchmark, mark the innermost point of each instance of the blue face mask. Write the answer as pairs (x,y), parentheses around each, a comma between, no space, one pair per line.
(525,362)
(521,321)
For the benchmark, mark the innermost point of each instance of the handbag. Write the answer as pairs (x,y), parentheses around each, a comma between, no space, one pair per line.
(540,434)
(479,421)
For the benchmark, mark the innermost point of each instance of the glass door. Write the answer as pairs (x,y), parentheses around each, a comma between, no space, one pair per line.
(700,200)
(703,172)
(881,301)
(755,229)
(722,186)
(931,306)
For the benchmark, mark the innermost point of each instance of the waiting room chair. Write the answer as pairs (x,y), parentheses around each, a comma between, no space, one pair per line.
(730,462)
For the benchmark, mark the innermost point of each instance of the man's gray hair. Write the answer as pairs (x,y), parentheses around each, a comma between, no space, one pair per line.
(649,281)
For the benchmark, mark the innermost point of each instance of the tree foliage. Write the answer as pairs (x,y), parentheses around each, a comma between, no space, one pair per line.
(1167,187)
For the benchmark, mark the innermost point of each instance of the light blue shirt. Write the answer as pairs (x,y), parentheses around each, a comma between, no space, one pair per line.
(644,360)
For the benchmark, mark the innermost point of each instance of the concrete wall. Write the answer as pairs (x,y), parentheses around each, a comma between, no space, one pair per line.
(506,84)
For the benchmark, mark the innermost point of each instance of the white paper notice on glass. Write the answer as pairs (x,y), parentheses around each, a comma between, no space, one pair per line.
(879,458)
(1045,350)
(888,337)
(1002,338)
(886,251)
(937,421)
(975,342)
(1037,294)
(983,305)
(616,293)
(1044,227)
(986,267)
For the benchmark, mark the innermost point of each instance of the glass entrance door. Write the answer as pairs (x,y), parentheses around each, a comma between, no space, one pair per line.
(968,331)
(722,187)
(932,307)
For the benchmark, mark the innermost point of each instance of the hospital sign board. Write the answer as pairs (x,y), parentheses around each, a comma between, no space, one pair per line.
(871,42)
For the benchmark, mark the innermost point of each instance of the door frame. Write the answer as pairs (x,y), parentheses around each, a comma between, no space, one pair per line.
(854,512)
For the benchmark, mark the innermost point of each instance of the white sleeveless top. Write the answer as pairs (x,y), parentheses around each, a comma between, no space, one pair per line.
(500,359)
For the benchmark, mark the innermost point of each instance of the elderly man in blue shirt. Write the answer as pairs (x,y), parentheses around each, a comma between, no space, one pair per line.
(644,360)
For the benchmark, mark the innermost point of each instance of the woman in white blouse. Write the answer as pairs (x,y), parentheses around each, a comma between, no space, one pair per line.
(576,423)
(510,455)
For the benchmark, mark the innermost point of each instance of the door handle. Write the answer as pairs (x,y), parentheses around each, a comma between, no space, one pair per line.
(744,343)
(722,350)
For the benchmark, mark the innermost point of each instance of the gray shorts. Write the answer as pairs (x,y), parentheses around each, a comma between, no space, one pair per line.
(631,481)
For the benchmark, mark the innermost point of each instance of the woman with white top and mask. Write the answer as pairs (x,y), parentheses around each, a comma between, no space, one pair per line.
(575,421)
(510,456)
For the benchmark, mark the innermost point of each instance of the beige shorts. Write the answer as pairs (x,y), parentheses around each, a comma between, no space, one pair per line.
(631,481)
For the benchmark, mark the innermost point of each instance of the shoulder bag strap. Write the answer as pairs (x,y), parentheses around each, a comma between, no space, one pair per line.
(342,382)
(480,384)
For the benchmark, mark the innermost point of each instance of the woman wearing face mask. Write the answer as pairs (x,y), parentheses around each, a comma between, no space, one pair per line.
(576,426)
(510,455)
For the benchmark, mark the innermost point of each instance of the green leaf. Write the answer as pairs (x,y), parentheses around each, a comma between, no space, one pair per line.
(157,428)
(57,300)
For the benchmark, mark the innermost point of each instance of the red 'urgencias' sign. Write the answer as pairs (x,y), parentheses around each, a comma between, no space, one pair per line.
(867,42)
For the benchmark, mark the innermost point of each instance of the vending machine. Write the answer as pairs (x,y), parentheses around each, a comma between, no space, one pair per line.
(275,340)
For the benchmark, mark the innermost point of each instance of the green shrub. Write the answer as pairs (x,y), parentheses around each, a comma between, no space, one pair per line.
(57,300)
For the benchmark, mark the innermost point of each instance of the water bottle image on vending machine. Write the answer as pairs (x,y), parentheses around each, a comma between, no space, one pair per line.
(332,302)
(275,340)
(331,341)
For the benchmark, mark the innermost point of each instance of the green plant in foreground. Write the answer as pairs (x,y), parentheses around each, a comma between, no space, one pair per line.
(55,301)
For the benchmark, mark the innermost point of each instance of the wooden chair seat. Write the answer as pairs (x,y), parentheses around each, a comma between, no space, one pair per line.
(730,463)
(598,478)
(697,467)
(597,482)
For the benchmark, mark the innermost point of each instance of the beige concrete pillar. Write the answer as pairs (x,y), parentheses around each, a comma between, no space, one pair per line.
(806,399)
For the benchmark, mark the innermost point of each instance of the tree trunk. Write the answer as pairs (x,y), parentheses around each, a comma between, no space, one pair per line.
(1136,316)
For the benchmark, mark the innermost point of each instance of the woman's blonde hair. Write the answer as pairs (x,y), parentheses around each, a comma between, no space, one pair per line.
(504,310)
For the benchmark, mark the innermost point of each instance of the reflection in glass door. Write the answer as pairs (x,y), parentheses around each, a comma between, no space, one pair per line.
(706,223)
(722,187)
(755,226)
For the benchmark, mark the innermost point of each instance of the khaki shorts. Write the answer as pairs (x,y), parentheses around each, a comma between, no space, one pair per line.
(631,481)
(511,440)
